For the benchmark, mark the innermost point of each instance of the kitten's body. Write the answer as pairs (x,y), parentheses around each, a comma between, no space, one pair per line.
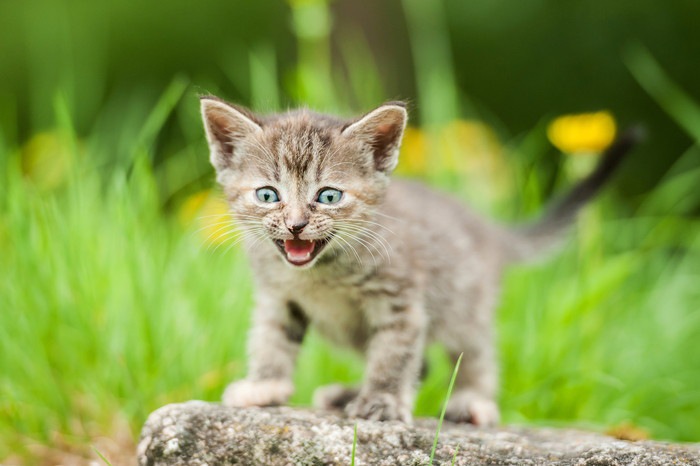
(400,264)
(448,256)
(445,261)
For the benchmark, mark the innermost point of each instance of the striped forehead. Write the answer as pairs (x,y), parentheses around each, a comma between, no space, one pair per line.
(300,152)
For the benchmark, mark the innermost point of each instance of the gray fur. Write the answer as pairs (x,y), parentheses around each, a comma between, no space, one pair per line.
(404,265)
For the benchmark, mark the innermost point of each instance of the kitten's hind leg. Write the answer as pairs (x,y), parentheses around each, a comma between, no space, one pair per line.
(473,398)
(334,397)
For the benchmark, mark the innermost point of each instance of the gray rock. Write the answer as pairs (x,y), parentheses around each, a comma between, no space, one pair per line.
(198,434)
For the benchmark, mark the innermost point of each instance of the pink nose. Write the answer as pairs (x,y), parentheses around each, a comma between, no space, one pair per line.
(297,226)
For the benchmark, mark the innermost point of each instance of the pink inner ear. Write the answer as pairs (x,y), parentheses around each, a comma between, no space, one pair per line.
(384,130)
(220,125)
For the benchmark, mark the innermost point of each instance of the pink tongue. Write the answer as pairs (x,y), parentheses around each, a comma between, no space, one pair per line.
(298,249)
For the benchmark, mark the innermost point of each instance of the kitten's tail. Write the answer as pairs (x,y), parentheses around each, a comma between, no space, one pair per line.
(544,234)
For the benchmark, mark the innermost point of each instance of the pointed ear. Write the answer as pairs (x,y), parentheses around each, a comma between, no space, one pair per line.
(381,129)
(225,125)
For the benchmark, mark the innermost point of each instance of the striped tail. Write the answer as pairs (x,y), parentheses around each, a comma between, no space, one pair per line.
(531,240)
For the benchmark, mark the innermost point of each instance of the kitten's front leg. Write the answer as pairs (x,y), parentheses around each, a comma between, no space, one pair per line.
(273,343)
(394,356)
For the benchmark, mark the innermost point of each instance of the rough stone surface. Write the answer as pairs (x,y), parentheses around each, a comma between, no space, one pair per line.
(198,433)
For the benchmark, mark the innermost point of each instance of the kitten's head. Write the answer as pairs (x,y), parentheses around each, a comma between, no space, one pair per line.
(305,182)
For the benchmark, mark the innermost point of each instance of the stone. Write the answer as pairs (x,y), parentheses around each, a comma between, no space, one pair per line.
(198,433)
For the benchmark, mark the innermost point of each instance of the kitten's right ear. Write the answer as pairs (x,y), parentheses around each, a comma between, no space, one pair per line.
(225,126)
(382,130)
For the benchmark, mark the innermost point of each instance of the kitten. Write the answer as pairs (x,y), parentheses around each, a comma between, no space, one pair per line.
(384,268)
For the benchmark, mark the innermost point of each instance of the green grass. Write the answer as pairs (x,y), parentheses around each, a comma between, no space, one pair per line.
(105,460)
(111,306)
(354,445)
(444,408)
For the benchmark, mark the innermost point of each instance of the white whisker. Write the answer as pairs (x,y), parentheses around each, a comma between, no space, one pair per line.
(366,244)
(235,236)
(255,233)
(340,237)
(376,212)
(369,222)
(211,225)
(362,233)
(216,233)
(223,214)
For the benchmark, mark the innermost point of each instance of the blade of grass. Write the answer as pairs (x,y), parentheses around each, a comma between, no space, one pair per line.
(454,457)
(444,407)
(264,90)
(354,446)
(312,26)
(654,80)
(363,78)
(101,456)
(438,95)
(161,111)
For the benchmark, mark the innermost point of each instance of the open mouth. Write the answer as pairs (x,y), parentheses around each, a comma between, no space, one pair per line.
(301,251)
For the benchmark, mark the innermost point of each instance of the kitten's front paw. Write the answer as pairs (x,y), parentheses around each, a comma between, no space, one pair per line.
(473,408)
(378,407)
(246,393)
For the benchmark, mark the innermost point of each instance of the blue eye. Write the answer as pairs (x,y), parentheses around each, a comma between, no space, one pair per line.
(329,196)
(267,195)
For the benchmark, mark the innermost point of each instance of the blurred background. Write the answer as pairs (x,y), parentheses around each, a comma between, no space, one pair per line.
(121,290)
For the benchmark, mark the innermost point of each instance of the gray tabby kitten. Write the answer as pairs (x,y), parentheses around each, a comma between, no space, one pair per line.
(384,268)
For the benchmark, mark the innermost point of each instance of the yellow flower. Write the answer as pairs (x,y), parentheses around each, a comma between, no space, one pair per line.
(208,213)
(47,159)
(413,158)
(583,132)
(467,148)
(471,149)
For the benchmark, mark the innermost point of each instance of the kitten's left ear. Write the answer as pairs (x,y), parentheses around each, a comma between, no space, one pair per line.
(226,126)
(381,129)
